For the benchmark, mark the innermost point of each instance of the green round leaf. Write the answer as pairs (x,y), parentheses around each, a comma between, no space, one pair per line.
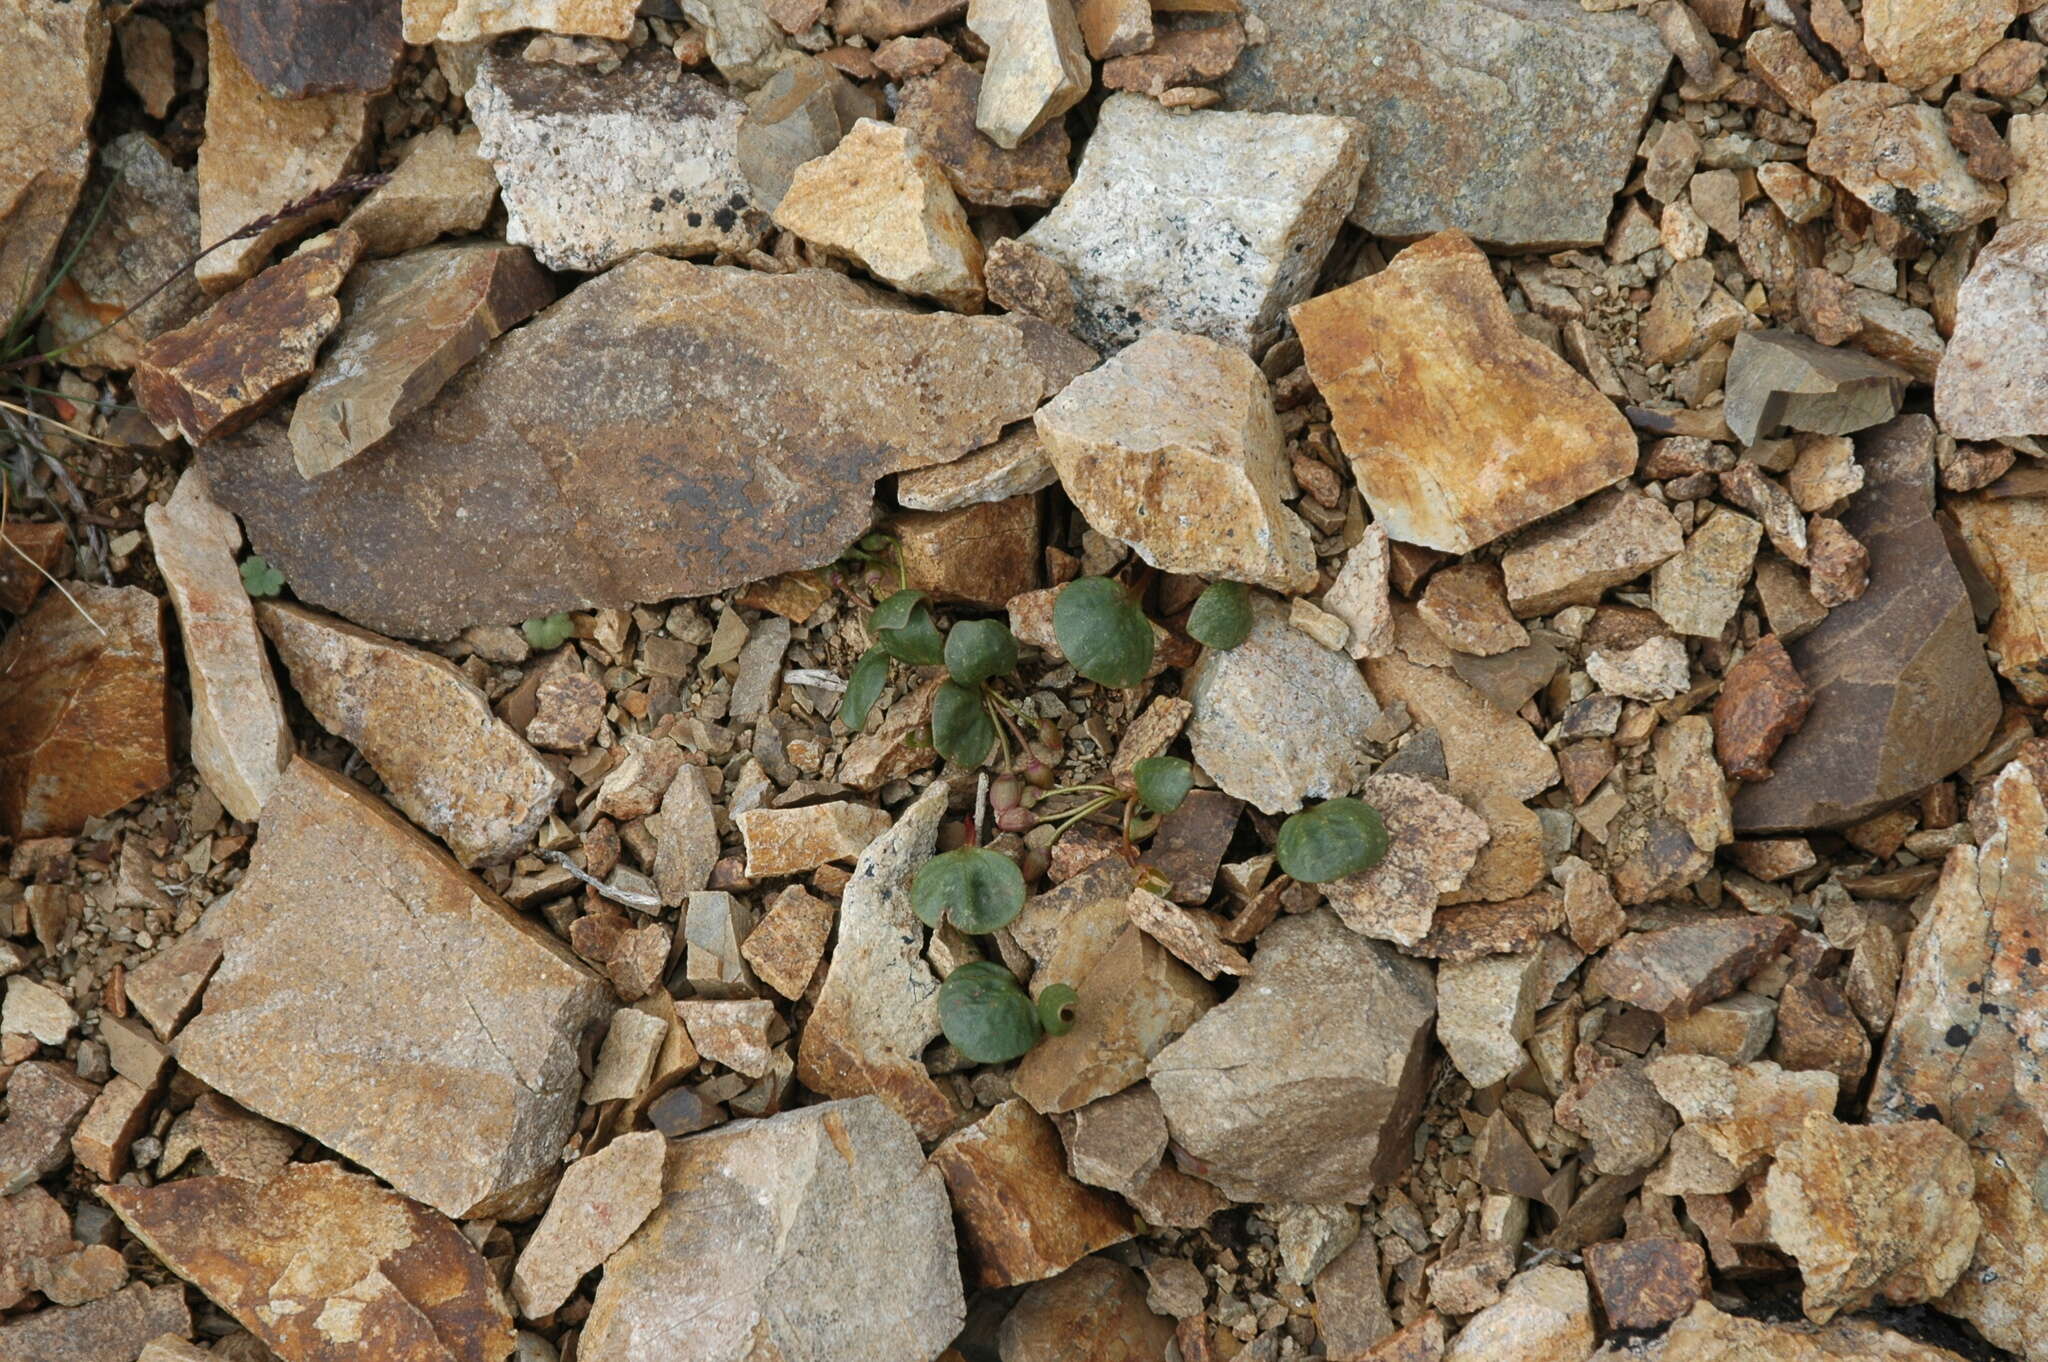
(1222,617)
(864,687)
(961,728)
(982,890)
(1163,782)
(1056,1009)
(1102,632)
(549,632)
(985,1013)
(979,649)
(918,641)
(894,612)
(259,578)
(1337,838)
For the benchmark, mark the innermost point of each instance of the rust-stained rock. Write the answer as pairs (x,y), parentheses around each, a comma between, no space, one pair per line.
(1673,971)
(1708,1335)
(143,235)
(879,1005)
(937,109)
(1917,42)
(452,765)
(442,186)
(261,153)
(1735,1118)
(1902,694)
(406,326)
(601,1199)
(1762,702)
(982,554)
(2008,540)
(1022,1217)
(1872,1211)
(1306,1083)
(790,393)
(786,945)
(45,1103)
(1524,435)
(116,1326)
(1173,446)
(1893,152)
(1646,1283)
(1096,1308)
(222,370)
(34,1226)
(817,1235)
(791,841)
(1544,1315)
(84,714)
(416,989)
(52,65)
(1433,841)
(33,548)
(295,48)
(325,1265)
(240,741)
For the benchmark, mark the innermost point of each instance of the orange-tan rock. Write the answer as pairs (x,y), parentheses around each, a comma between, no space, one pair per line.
(52,65)
(2008,538)
(600,1201)
(1459,427)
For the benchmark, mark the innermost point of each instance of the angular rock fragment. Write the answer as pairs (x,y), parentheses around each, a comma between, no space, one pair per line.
(1095,1308)
(1465,605)
(883,202)
(1614,538)
(1893,152)
(1735,1118)
(985,554)
(1545,1313)
(165,988)
(601,1199)
(1173,446)
(418,990)
(1432,843)
(1708,1335)
(145,232)
(714,926)
(240,741)
(1673,971)
(1279,718)
(1990,383)
(1013,466)
(1525,437)
(221,371)
(1762,702)
(45,1103)
(1902,695)
(818,1234)
(1873,1211)
(1655,669)
(84,708)
(1135,998)
(1485,749)
(443,186)
(1306,1084)
(1781,378)
(116,1326)
(596,167)
(322,1263)
(786,945)
(261,153)
(1534,161)
(1164,227)
(452,765)
(1699,591)
(33,549)
(1024,1219)
(879,1005)
(498,502)
(1485,1009)
(1646,1283)
(406,325)
(798,116)
(1037,67)
(1917,43)
(791,841)
(315,47)
(52,69)
(938,109)
(465,21)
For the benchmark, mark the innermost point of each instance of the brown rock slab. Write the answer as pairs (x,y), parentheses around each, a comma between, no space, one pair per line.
(452,765)
(1901,693)
(165,988)
(33,1226)
(112,1123)
(45,1103)
(111,1329)
(1873,1211)
(817,1234)
(418,989)
(1013,466)
(240,741)
(33,549)
(406,326)
(1466,606)
(1022,1217)
(1022,278)
(1486,750)
(315,47)
(601,1199)
(1880,143)
(1306,1083)
(219,372)
(1526,435)
(1673,971)
(498,503)
(442,186)
(324,1264)
(1094,1309)
(52,68)
(84,714)
(1762,702)
(983,554)
(147,229)
(1614,538)
(261,153)
(1173,446)
(1535,162)
(937,108)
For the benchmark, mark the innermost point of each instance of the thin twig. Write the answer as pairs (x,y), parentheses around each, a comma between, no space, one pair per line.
(59,424)
(632,898)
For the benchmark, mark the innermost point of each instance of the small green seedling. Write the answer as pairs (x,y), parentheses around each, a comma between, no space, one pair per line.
(548,632)
(1103,632)
(1336,838)
(970,714)
(980,890)
(989,1018)
(1222,617)
(259,578)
